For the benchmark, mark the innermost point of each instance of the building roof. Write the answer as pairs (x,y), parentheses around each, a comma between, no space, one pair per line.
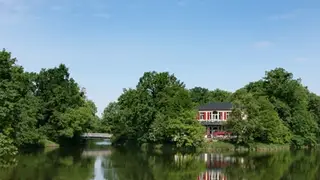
(216,106)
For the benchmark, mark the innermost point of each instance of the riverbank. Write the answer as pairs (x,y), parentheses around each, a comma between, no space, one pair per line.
(217,146)
(214,146)
(49,144)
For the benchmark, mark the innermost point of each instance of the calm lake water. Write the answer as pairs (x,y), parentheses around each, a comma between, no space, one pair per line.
(101,162)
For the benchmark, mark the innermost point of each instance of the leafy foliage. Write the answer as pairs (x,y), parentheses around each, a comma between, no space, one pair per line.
(50,105)
(262,123)
(39,106)
(158,110)
(201,95)
(280,110)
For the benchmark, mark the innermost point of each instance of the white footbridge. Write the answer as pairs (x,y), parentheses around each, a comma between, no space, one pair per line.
(97,135)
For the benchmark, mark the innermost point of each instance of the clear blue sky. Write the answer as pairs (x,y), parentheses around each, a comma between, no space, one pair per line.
(108,44)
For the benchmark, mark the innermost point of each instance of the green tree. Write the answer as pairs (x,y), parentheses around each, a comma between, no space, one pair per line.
(219,95)
(254,120)
(34,106)
(200,95)
(18,106)
(159,110)
(109,116)
(290,98)
(314,108)
(93,123)
(292,103)
(66,113)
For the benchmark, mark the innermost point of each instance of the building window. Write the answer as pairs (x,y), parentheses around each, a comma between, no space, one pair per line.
(215,115)
(209,115)
(201,115)
(227,115)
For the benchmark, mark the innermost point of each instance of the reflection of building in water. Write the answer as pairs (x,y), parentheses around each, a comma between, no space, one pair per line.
(212,175)
(214,164)
(219,161)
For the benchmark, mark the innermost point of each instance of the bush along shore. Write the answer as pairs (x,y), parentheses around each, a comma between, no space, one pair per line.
(216,146)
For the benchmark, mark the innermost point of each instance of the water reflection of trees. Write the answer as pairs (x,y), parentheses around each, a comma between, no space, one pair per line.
(7,161)
(305,166)
(129,165)
(276,166)
(56,164)
(255,166)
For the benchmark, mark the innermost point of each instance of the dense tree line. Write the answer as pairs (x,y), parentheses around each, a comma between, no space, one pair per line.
(160,109)
(36,107)
(50,105)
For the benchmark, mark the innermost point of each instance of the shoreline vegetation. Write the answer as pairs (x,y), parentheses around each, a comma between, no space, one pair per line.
(49,109)
(49,144)
(219,146)
(259,147)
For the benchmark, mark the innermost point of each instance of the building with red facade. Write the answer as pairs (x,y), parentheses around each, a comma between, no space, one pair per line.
(214,116)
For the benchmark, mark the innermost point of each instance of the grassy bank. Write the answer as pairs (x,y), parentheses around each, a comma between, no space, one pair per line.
(214,146)
(49,144)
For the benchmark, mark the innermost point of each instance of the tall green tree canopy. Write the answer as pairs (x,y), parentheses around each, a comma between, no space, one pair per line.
(18,105)
(158,110)
(261,122)
(38,106)
(288,106)
(65,111)
(200,95)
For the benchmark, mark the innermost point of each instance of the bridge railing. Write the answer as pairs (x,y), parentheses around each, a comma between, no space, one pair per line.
(97,135)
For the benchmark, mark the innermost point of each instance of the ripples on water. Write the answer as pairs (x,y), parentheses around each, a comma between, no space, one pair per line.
(101,162)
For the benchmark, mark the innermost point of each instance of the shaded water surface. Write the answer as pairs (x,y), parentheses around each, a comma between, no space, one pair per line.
(101,162)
